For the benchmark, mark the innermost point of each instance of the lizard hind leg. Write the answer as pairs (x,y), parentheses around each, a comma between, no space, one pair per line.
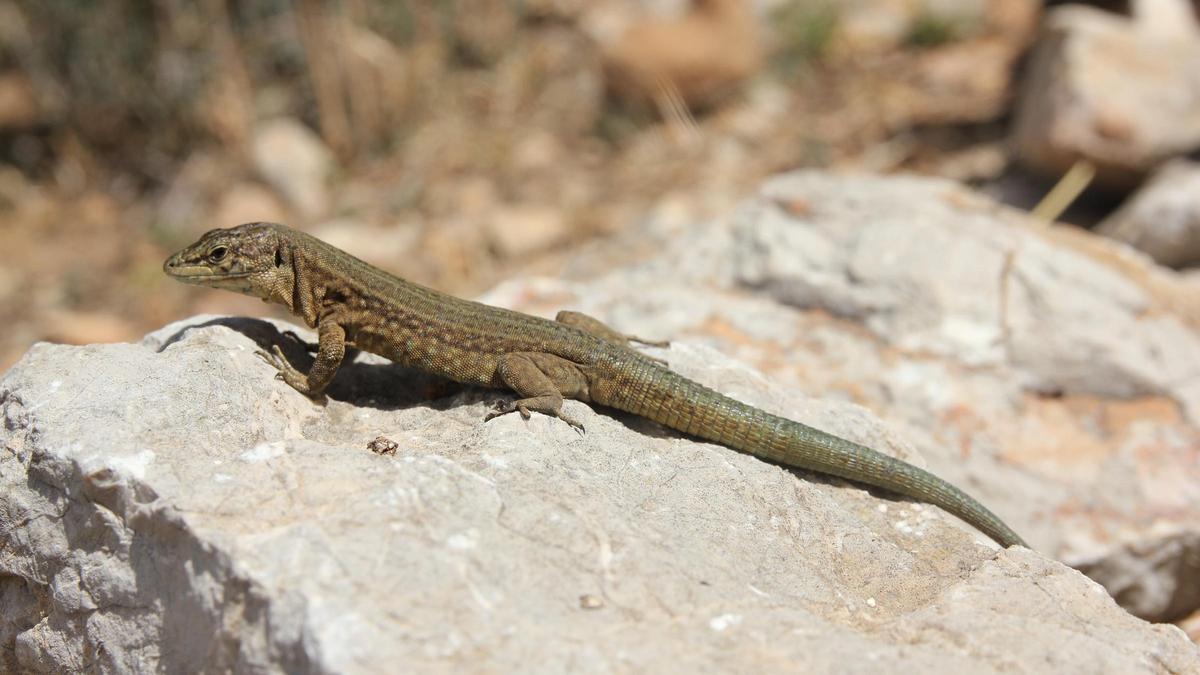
(601,330)
(541,381)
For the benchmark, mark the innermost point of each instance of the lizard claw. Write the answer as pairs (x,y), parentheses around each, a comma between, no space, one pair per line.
(274,358)
(575,424)
(503,407)
(265,356)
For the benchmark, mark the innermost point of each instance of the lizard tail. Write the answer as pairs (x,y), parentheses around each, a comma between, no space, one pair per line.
(684,405)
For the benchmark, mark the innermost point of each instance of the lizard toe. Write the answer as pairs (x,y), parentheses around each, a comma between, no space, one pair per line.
(574,424)
(269,358)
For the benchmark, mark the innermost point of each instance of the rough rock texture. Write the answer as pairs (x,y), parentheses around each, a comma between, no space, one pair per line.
(934,268)
(1157,578)
(1120,92)
(170,506)
(1163,218)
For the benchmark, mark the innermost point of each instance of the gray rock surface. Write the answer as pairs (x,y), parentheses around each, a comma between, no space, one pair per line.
(1162,219)
(932,267)
(169,505)
(1119,91)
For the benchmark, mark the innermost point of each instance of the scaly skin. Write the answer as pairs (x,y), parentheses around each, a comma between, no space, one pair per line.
(351,303)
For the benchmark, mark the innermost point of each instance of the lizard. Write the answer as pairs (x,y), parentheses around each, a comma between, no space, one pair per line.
(353,304)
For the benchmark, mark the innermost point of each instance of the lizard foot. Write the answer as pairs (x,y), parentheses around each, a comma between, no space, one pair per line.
(575,424)
(500,408)
(284,370)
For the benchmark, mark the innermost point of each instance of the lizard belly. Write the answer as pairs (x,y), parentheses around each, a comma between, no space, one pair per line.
(432,356)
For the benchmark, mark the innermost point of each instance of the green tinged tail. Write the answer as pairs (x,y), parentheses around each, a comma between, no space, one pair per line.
(677,402)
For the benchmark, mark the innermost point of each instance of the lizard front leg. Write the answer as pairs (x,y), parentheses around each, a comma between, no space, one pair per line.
(331,349)
(541,381)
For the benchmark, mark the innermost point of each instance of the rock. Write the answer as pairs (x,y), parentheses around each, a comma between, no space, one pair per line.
(1119,92)
(704,55)
(291,158)
(1157,578)
(930,267)
(193,513)
(1175,19)
(1163,218)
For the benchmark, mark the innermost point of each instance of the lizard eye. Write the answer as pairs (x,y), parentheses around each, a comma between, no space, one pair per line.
(217,254)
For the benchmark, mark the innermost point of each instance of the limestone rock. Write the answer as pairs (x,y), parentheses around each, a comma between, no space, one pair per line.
(929,266)
(1162,219)
(1119,92)
(170,506)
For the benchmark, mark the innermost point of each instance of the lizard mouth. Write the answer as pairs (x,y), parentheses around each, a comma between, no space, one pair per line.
(188,274)
(198,273)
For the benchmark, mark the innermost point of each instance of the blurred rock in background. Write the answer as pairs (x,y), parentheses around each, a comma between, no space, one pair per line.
(1120,92)
(1162,219)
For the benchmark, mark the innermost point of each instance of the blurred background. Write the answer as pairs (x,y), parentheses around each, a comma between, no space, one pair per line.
(459,142)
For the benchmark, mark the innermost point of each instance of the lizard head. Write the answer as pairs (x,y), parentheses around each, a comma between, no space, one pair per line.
(248,259)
